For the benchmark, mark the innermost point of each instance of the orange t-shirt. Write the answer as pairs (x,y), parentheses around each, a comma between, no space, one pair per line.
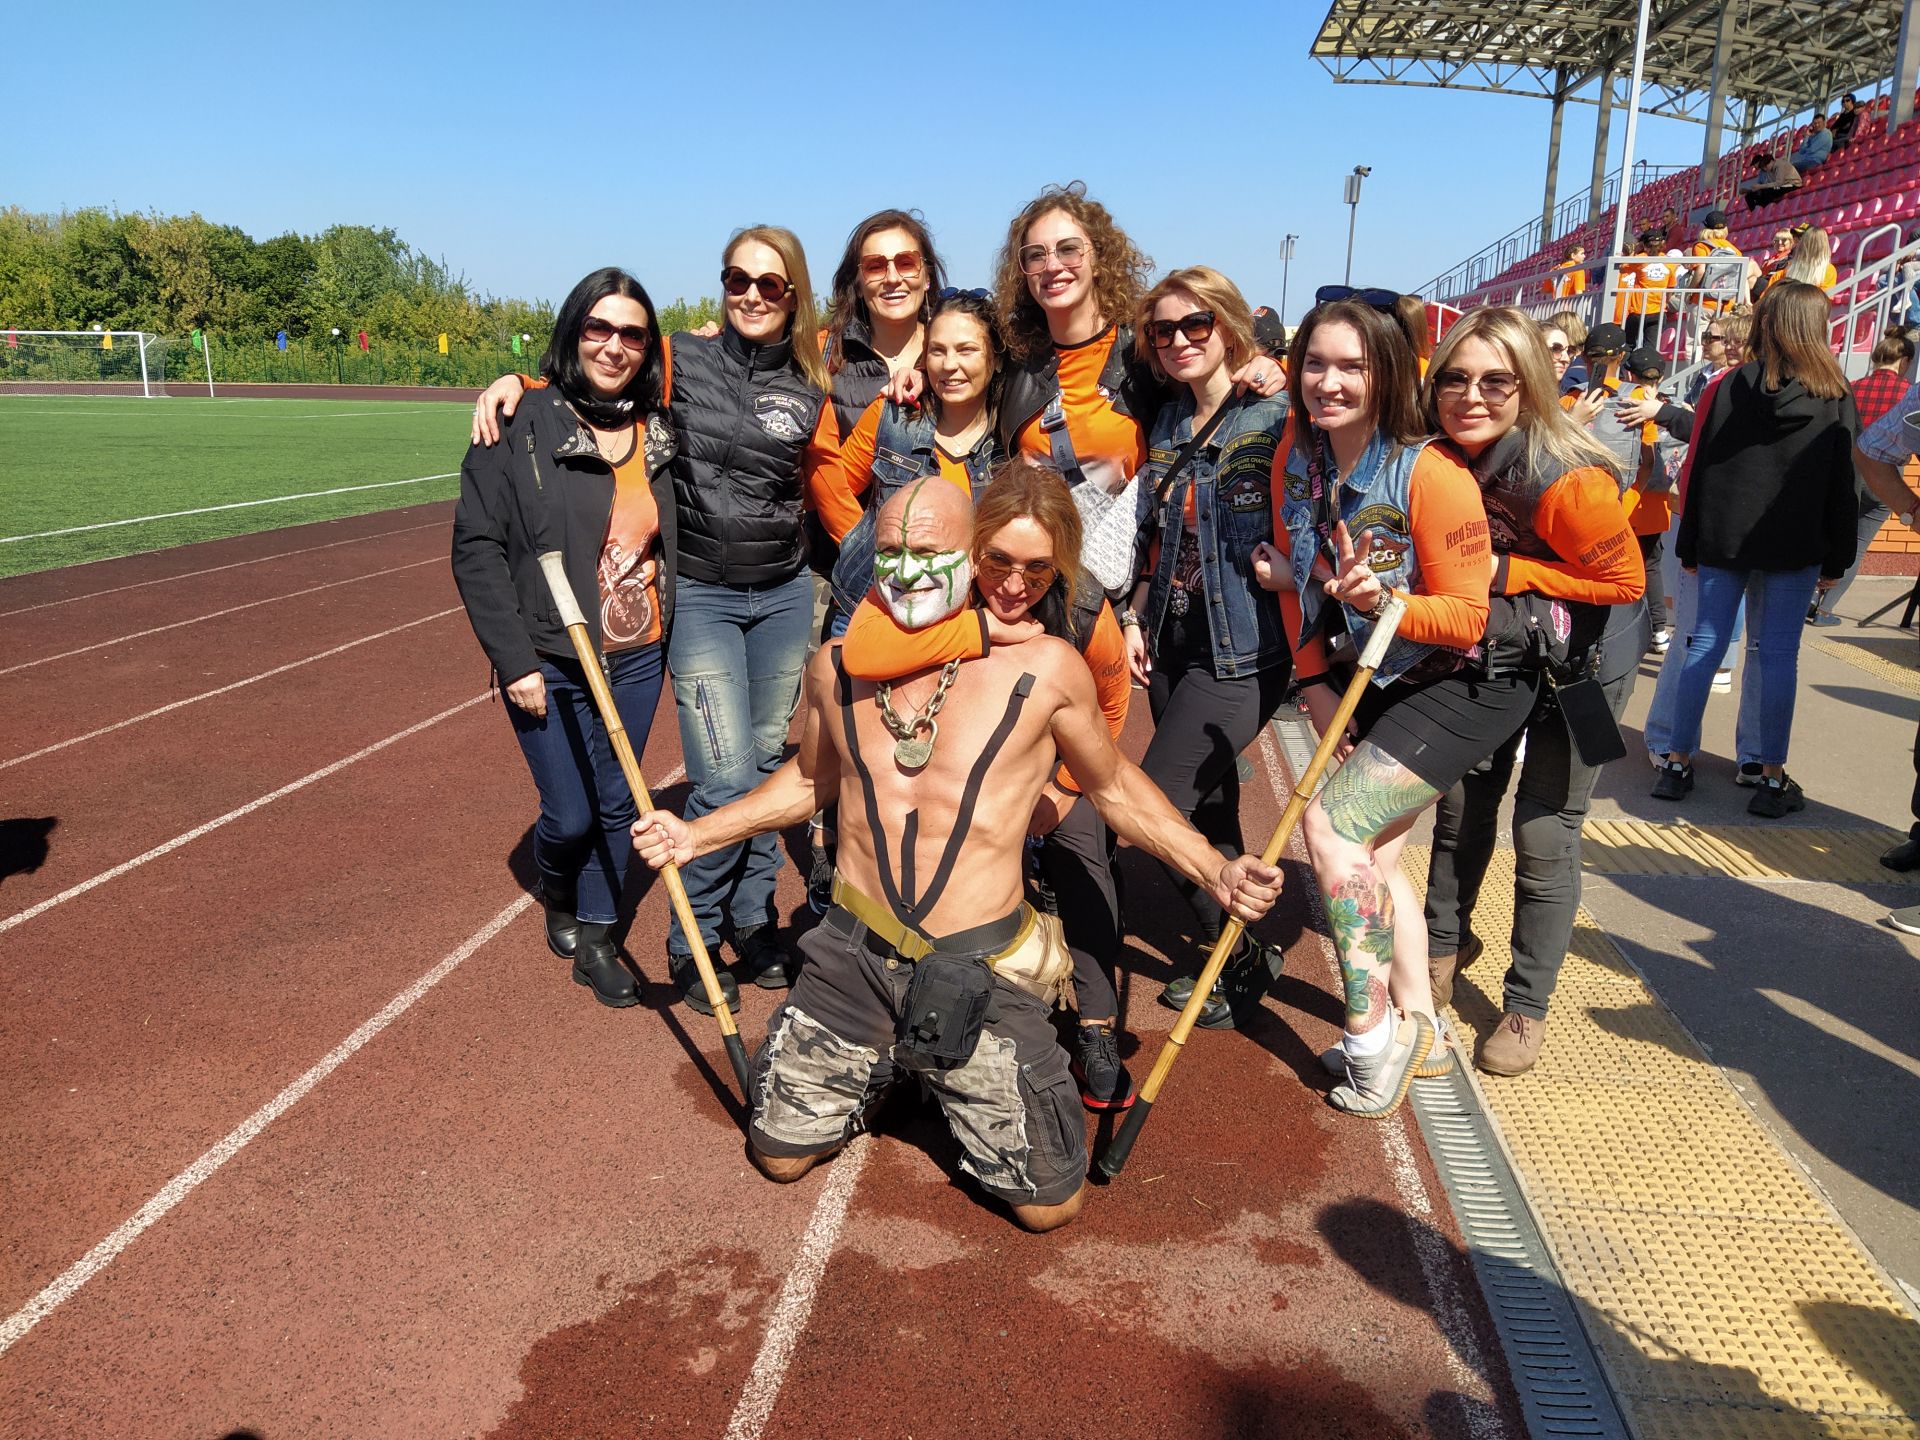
(1568,278)
(836,485)
(1098,431)
(1449,529)
(629,588)
(1655,277)
(878,647)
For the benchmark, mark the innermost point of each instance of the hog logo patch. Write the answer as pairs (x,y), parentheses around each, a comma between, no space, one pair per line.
(781,416)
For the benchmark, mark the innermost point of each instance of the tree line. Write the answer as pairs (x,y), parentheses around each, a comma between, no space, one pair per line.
(171,274)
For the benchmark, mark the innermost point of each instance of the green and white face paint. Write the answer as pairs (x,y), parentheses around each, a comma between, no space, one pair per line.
(920,588)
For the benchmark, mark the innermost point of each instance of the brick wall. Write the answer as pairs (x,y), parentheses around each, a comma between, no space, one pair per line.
(1896,549)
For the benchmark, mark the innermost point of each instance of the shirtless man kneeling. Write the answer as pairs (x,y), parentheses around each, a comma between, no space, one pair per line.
(933,823)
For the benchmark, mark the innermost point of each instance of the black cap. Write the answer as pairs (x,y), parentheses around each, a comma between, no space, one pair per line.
(1646,361)
(1268,333)
(1714,220)
(1605,340)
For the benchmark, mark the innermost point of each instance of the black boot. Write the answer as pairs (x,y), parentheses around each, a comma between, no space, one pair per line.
(767,962)
(596,962)
(563,931)
(686,977)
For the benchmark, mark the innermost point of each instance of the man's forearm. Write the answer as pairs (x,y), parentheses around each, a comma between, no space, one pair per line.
(783,799)
(1136,810)
(1885,483)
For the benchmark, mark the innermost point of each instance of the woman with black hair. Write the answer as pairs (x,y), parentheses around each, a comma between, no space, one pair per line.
(583,470)
(883,293)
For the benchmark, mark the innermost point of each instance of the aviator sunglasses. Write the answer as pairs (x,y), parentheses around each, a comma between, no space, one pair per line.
(599,332)
(1035,575)
(1197,327)
(773,288)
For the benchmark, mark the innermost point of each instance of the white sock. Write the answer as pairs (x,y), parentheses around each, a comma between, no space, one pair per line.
(1371,1042)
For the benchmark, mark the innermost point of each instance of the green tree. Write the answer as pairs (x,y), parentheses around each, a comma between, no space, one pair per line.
(97,278)
(353,267)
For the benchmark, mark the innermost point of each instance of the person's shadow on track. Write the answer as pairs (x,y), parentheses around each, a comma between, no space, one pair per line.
(24,844)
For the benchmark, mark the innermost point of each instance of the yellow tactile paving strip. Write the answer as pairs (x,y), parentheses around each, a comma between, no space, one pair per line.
(1725,1297)
(1892,658)
(1745,852)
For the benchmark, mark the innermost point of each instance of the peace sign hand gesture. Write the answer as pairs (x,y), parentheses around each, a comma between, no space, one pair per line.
(1354,584)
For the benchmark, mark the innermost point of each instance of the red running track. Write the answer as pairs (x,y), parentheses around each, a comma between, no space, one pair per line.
(308,1135)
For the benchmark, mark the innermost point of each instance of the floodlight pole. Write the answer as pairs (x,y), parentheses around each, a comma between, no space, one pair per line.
(1633,121)
(1360,172)
(1286,269)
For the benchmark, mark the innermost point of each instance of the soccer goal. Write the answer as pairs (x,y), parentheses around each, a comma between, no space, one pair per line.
(84,362)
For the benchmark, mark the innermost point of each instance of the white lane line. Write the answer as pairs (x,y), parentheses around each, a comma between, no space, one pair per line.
(175,1190)
(216,614)
(393,408)
(1431,1249)
(169,846)
(225,689)
(234,505)
(215,569)
(791,1310)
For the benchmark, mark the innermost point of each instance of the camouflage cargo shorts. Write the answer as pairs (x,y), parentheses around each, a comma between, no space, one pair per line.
(828,1058)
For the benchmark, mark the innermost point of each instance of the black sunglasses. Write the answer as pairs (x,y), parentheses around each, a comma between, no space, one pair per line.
(1371,296)
(634,337)
(1197,327)
(954,292)
(773,288)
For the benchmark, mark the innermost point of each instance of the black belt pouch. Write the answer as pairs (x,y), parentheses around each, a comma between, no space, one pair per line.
(945,1007)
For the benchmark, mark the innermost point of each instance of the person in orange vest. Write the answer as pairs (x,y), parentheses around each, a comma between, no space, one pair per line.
(1652,278)
(1569,277)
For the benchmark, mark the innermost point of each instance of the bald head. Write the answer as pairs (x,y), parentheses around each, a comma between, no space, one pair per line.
(922,571)
(930,515)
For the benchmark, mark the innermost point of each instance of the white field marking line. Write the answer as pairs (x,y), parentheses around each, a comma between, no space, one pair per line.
(795,1305)
(177,1189)
(167,847)
(224,689)
(402,408)
(1464,1361)
(216,569)
(233,505)
(216,614)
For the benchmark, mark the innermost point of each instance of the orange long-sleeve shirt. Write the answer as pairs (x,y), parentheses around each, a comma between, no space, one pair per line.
(1449,528)
(1098,431)
(1580,517)
(836,486)
(878,647)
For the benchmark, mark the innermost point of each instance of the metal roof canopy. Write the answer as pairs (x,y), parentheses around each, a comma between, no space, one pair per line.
(1784,55)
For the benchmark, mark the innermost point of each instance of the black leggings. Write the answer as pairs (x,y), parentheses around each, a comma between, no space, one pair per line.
(1200,725)
(1075,859)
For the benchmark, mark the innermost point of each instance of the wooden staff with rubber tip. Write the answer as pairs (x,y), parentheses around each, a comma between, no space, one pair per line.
(555,566)
(1114,1159)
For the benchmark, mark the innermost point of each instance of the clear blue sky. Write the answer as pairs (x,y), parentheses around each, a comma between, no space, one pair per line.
(526,144)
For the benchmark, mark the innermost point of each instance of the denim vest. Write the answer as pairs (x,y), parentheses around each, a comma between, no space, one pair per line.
(1231,479)
(1376,497)
(903,451)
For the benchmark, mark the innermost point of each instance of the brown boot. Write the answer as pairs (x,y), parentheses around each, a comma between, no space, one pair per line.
(1513,1048)
(1442,968)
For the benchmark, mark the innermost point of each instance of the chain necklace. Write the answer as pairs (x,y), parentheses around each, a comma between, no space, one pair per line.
(910,752)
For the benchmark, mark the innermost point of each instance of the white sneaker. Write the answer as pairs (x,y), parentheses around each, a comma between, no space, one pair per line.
(1661,639)
(1723,681)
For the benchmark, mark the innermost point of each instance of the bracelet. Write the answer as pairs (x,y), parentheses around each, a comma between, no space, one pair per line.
(1380,605)
(1127,615)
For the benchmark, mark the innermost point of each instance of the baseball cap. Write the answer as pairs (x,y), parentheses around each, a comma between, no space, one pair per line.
(1714,220)
(1268,332)
(1605,340)
(1646,361)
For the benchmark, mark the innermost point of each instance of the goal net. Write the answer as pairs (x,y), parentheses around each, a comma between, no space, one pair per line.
(83,362)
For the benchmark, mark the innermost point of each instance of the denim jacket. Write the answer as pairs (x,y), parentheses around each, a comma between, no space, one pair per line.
(1377,496)
(903,451)
(1230,478)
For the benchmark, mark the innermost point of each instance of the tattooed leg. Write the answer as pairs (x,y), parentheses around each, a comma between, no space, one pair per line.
(1370,792)
(1360,911)
(1410,984)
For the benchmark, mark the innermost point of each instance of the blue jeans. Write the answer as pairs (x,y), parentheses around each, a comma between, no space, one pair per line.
(1777,603)
(736,657)
(584,836)
(1658,732)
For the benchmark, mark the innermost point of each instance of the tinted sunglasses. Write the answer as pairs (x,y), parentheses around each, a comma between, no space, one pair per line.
(1371,296)
(1035,575)
(598,331)
(1496,387)
(1197,327)
(1070,252)
(954,292)
(906,265)
(773,288)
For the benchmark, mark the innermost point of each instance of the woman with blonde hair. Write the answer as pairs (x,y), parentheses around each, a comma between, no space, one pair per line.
(751,419)
(1811,262)
(1202,636)
(1767,511)
(1564,562)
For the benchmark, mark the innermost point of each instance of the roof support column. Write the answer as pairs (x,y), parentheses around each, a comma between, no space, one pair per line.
(1717,103)
(1906,65)
(1596,194)
(1553,156)
(1633,122)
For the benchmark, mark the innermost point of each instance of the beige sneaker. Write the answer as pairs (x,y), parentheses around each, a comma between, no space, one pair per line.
(1514,1047)
(1442,968)
(1376,1084)
(1439,1060)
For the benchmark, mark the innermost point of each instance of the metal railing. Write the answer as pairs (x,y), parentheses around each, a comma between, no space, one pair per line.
(1877,291)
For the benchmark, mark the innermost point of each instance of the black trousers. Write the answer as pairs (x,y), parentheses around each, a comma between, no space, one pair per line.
(1556,791)
(1200,725)
(1076,859)
(1657,617)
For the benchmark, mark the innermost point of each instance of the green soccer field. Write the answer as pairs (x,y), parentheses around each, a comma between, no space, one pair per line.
(182,470)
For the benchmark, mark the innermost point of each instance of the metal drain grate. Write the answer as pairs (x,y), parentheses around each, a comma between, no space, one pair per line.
(1556,1373)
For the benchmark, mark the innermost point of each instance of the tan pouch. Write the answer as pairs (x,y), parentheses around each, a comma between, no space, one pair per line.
(1038,961)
